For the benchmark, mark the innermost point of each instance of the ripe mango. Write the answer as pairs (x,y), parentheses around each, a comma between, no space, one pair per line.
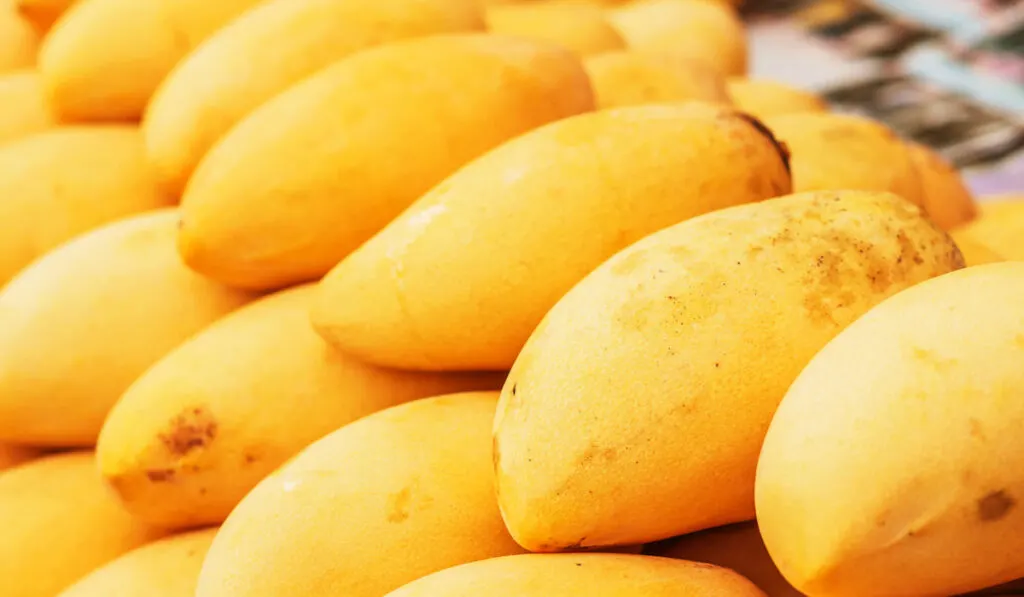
(57,184)
(42,13)
(593,575)
(973,251)
(105,58)
(630,78)
(60,521)
(766,99)
(893,465)
(20,40)
(673,355)
(383,501)
(841,151)
(541,212)
(23,109)
(312,174)
(999,226)
(579,27)
(81,323)
(217,86)
(12,455)
(706,31)
(946,199)
(165,568)
(214,417)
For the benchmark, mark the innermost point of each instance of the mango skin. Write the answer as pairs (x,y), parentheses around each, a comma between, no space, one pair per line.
(973,251)
(414,481)
(594,575)
(20,40)
(79,325)
(630,78)
(999,226)
(946,199)
(267,386)
(23,109)
(215,87)
(314,173)
(931,377)
(765,99)
(51,184)
(42,14)
(840,151)
(618,175)
(580,27)
(733,303)
(165,568)
(13,455)
(60,522)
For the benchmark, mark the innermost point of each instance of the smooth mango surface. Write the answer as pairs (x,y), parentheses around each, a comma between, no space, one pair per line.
(673,355)
(630,78)
(23,109)
(413,481)
(998,226)
(216,86)
(461,278)
(20,41)
(315,172)
(893,466)
(579,27)
(945,197)
(42,13)
(764,99)
(973,251)
(12,455)
(78,326)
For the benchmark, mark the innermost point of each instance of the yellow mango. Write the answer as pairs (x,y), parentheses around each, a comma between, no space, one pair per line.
(165,568)
(630,78)
(999,226)
(945,197)
(18,40)
(766,99)
(81,323)
(60,521)
(315,172)
(841,151)
(893,465)
(203,426)
(105,58)
(579,27)
(42,13)
(973,251)
(673,355)
(536,214)
(217,86)
(593,575)
(23,109)
(383,501)
(701,30)
(12,455)
(60,183)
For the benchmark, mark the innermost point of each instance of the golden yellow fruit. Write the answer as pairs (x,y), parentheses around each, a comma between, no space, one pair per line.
(841,151)
(593,575)
(23,109)
(579,27)
(765,99)
(462,277)
(892,467)
(673,355)
(83,322)
(18,40)
(217,86)
(166,568)
(207,423)
(630,78)
(60,521)
(999,226)
(974,252)
(946,199)
(314,173)
(12,455)
(383,501)
(57,184)
(42,13)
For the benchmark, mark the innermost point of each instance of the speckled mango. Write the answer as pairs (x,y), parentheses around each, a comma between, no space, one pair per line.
(593,575)
(420,296)
(317,171)
(945,197)
(673,355)
(215,87)
(631,78)
(203,426)
(79,325)
(23,109)
(60,521)
(764,99)
(893,465)
(579,27)
(998,226)
(413,481)
(42,13)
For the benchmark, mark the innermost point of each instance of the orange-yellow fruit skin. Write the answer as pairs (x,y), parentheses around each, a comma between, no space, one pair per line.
(42,13)
(12,455)
(579,27)
(999,226)
(19,41)
(630,78)
(946,199)
(23,109)
(765,99)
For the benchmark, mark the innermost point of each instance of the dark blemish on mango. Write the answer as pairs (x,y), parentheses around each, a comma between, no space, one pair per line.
(250,458)
(160,475)
(995,506)
(780,147)
(593,453)
(193,429)
(514,386)
(398,505)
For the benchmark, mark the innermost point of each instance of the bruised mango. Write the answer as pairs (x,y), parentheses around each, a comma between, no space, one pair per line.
(579,27)
(23,109)
(630,78)
(765,99)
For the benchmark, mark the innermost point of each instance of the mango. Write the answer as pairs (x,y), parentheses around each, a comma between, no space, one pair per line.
(12,455)
(593,575)
(673,355)
(579,27)
(842,151)
(541,212)
(315,172)
(630,78)
(946,199)
(23,109)
(973,251)
(378,503)
(765,99)
(892,467)
(60,183)
(84,321)
(42,13)
(216,86)
(701,30)
(105,58)
(60,521)
(999,226)
(20,40)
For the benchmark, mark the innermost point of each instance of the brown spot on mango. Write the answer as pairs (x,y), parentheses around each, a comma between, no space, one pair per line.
(398,505)
(995,506)
(193,429)
(160,475)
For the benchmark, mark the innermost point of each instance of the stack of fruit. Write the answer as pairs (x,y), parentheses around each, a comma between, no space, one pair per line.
(265,267)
